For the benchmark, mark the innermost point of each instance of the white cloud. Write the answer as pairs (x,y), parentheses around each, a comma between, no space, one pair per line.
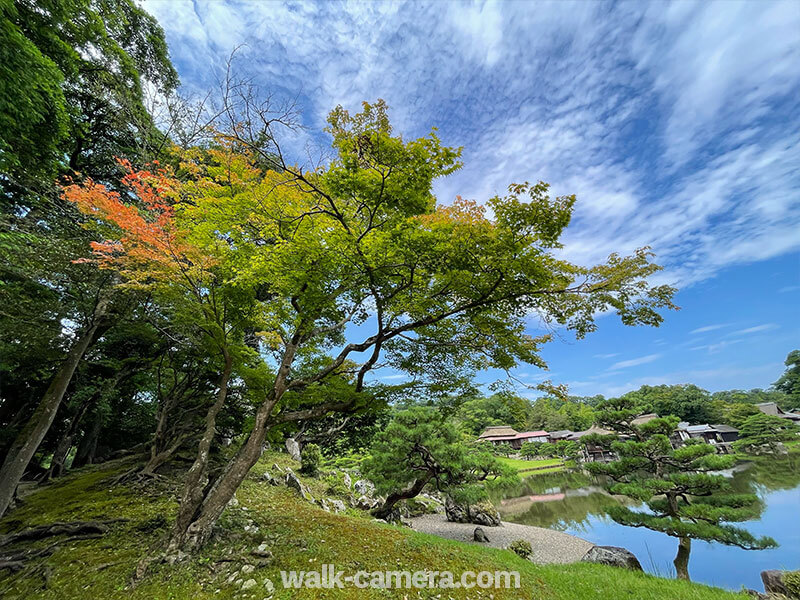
(756,329)
(642,360)
(672,123)
(612,355)
(709,328)
(718,347)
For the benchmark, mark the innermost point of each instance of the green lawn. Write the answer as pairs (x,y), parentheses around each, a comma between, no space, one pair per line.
(300,535)
(546,465)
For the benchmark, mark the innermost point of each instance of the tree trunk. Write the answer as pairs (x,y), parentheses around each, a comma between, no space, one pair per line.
(681,561)
(210,507)
(65,443)
(410,492)
(192,532)
(194,490)
(87,447)
(28,440)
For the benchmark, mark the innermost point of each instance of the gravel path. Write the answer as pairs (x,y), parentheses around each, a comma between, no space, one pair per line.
(549,546)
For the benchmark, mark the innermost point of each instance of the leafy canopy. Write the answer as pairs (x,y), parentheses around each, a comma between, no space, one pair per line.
(441,290)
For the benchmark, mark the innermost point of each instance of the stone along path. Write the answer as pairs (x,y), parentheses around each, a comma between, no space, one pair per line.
(549,546)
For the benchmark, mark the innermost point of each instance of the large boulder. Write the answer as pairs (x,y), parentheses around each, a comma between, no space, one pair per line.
(781,583)
(482,513)
(613,556)
(456,513)
(363,487)
(293,448)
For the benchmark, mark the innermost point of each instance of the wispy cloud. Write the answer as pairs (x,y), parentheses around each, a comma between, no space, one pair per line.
(718,347)
(642,360)
(756,329)
(667,121)
(612,355)
(708,328)
(789,288)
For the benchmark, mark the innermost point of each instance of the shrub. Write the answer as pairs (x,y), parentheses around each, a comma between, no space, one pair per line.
(521,547)
(791,579)
(310,458)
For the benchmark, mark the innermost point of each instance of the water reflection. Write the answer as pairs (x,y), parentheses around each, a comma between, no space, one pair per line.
(578,504)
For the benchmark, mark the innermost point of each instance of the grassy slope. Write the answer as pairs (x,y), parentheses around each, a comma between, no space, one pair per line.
(301,537)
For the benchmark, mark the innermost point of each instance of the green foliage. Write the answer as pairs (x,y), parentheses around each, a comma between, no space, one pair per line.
(521,548)
(791,579)
(310,458)
(420,445)
(476,414)
(684,497)
(687,402)
(71,95)
(765,432)
(567,449)
(789,382)
(556,414)
(531,449)
(503,449)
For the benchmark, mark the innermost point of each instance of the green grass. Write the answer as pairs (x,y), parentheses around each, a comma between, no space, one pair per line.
(300,535)
(547,465)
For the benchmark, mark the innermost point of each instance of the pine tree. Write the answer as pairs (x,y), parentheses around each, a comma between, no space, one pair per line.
(685,498)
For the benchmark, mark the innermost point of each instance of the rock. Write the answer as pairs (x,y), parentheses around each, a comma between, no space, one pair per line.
(275,467)
(234,502)
(269,586)
(756,595)
(262,551)
(293,448)
(775,583)
(337,505)
(482,513)
(323,504)
(479,536)
(456,513)
(250,583)
(347,481)
(365,503)
(268,477)
(363,487)
(613,556)
(294,482)
(248,569)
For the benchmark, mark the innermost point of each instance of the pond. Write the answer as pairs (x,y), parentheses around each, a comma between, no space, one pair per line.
(575,503)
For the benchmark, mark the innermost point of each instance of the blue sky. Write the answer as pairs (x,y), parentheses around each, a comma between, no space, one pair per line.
(675,124)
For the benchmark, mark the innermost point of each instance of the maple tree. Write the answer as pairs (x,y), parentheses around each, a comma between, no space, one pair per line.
(444,290)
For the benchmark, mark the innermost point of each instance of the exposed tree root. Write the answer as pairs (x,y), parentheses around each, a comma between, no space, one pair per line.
(74,528)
